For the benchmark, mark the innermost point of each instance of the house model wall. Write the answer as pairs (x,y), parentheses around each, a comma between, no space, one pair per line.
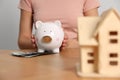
(99,40)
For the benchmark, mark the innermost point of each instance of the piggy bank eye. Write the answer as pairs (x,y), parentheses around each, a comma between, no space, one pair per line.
(44,31)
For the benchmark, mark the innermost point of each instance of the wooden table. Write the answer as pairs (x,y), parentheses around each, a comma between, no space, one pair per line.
(50,67)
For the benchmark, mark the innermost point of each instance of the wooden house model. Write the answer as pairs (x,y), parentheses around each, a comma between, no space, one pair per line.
(99,40)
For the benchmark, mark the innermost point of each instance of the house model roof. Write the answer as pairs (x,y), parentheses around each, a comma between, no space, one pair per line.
(110,15)
(88,27)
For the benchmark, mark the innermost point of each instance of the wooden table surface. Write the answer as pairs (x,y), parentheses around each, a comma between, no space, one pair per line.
(50,67)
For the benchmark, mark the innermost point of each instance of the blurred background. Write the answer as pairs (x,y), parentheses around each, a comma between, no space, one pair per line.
(9,20)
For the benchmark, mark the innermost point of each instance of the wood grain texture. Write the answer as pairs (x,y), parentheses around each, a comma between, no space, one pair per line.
(49,67)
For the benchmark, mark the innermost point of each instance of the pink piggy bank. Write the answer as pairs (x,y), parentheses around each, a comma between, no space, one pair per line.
(49,36)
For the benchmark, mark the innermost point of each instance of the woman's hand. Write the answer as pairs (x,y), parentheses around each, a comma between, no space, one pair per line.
(64,43)
(33,41)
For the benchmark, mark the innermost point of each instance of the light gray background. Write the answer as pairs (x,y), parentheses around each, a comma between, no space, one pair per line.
(9,20)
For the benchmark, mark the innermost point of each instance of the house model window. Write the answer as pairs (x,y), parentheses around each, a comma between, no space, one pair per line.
(99,45)
(113,34)
(91,54)
(113,63)
(113,56)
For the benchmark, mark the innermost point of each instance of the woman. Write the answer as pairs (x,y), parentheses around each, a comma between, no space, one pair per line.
(66,11)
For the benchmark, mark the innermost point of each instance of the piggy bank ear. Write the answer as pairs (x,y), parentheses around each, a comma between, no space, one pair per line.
(38,24)
(58,23)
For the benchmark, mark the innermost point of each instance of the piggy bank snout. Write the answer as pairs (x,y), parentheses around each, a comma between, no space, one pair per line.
(46,39)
